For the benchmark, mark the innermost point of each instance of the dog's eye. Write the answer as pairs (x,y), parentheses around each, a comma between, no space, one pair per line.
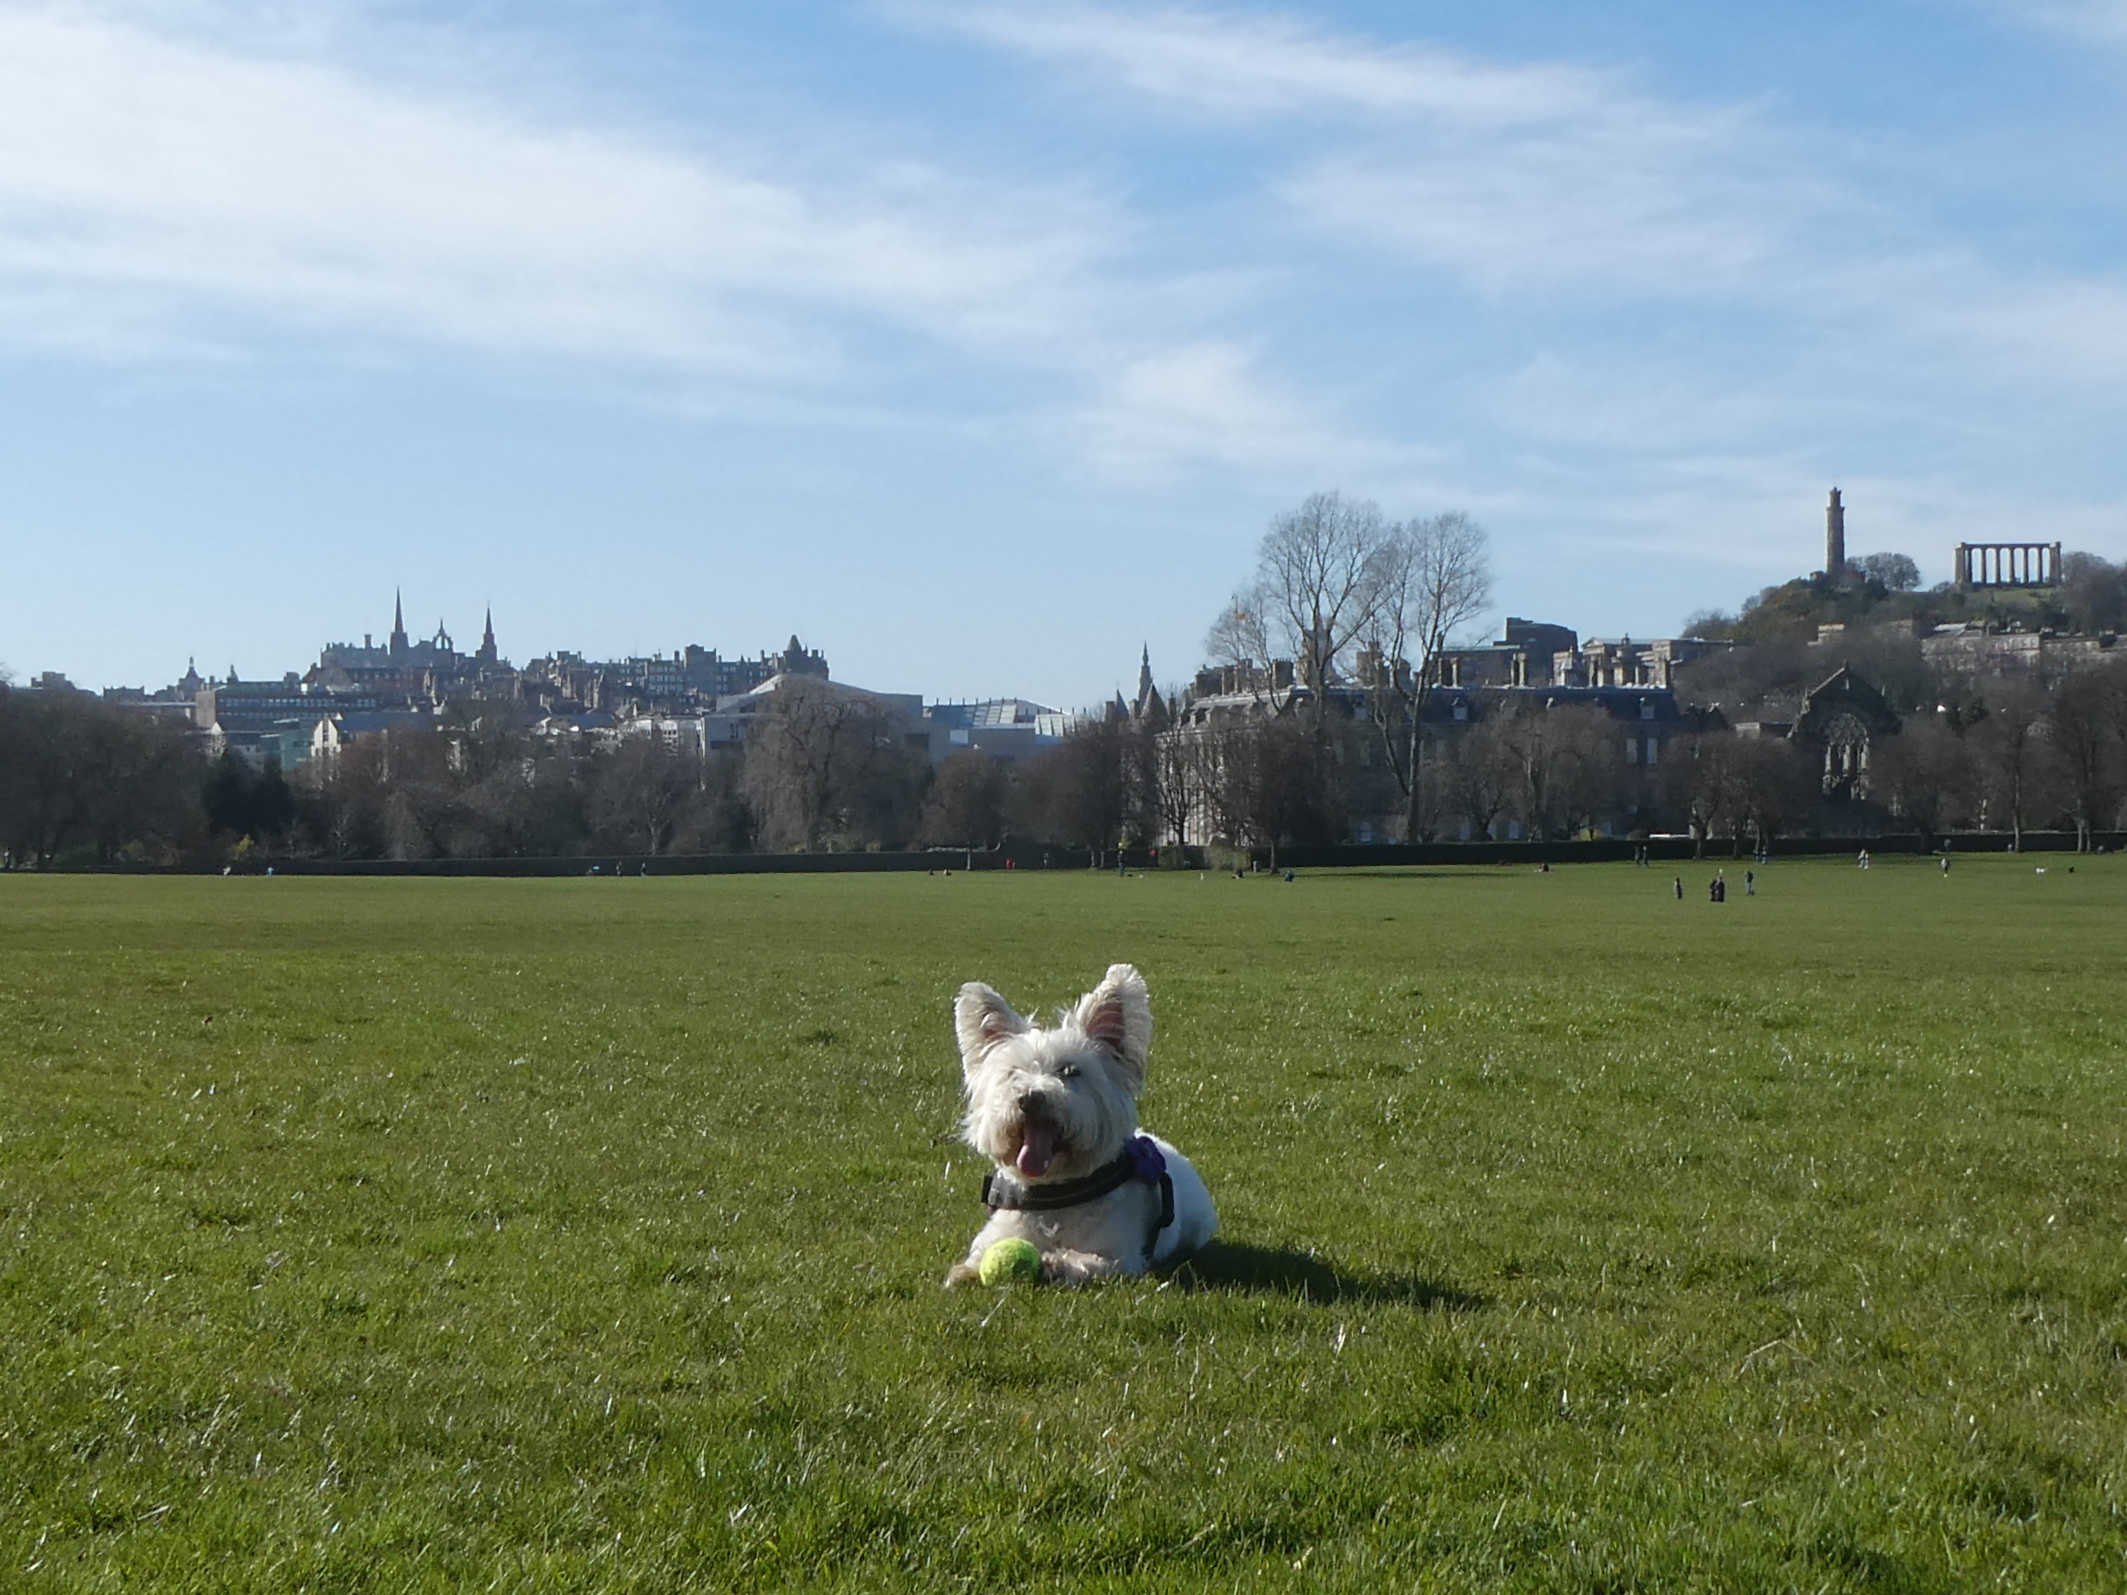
(1068,1072)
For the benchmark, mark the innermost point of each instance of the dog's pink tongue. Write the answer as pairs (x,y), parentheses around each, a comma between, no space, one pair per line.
(1036,1150)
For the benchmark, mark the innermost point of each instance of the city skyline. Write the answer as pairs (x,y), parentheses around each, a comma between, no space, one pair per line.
(978,343)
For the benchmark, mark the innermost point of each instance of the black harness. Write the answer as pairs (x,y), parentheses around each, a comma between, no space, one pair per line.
(1141,1160)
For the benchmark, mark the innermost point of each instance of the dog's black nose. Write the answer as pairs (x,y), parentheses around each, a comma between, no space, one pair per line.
(1028,1102)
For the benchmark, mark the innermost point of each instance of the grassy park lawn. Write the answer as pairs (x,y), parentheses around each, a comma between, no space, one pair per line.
(528,1235)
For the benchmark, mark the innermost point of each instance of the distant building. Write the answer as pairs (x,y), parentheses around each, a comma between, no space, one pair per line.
(692,679)
(1004,728)
(1992,565)
(693,736)
(1841,725)
(268,721)
(332,734)
(1600,662)
(1975,649)
(584,724)
(1525,655)
(177,702)
(405,672)
(706,728)
(1471,686)
(1531,654)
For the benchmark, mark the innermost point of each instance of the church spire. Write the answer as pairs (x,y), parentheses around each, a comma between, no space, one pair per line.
(398,625)
(487,639)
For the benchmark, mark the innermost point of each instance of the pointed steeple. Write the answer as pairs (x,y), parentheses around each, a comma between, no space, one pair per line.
(398,625)
(1150,709)
(487,639)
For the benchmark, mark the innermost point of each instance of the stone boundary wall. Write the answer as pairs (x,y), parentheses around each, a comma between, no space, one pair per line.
(627,865)
(1669,849)
(1661,850)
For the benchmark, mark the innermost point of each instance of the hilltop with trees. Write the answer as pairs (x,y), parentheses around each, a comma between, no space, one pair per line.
(1881,588)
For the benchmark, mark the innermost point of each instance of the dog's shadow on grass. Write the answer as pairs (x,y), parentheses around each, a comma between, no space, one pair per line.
(1232,1268)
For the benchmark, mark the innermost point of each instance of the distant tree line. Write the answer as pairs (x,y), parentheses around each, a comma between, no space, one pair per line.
(1341,592)
(83,781)
(2000,755)
(80,778)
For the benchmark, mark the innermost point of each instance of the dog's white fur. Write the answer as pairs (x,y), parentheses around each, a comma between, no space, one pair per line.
(1056,1104)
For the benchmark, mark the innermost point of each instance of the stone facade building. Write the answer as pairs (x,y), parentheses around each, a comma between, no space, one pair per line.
(1842,723)
(1533,666)
(1976,650)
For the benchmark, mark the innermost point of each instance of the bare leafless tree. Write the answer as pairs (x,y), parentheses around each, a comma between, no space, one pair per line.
(2014,758)
(967,802)
(1269,783)
(1774,788)
(827,765)
(1315,592)
(1079,792)
(640,792)
(1435,577)
(1468,779)
(1580,778)
(1925,774)
(2083,723)
(1178,776)
(1690,784)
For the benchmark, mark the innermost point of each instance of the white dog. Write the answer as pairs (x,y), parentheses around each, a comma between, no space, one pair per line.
(1056,1111)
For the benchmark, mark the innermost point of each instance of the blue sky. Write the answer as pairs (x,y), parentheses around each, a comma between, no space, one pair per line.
(977,343)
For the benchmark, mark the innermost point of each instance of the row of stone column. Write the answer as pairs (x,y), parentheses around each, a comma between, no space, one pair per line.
(2008,564)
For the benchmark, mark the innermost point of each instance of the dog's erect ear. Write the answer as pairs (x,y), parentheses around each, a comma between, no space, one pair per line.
(981,1018)
(1118,1014)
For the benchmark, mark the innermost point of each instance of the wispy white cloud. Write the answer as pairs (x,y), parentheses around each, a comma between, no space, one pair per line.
(211,172)
(159,168)
(2091,21)
(1512,175)
(1256,64)
(1611,205)
(2054,328)
(1636,406)
(1570,189)
(1211,403)
(166,195)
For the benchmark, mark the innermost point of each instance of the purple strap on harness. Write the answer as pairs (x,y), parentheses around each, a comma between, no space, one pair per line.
(1146,1160)
(1140,1159)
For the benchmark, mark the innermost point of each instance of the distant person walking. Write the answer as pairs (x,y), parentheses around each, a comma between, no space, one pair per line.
(1679,884)
(1750,883)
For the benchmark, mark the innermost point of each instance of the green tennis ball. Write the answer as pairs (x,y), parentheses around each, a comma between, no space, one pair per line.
(1006,1261)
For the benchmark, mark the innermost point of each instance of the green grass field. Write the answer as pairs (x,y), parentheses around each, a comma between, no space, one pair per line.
(586,1235)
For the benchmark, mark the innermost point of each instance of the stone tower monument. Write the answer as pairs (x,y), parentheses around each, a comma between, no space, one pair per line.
(1835,539)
